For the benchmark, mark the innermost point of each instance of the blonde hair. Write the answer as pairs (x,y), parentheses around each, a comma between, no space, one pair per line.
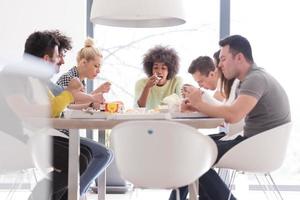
(88,52)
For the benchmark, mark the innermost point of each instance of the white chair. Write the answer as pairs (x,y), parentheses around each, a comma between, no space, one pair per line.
(21,87)
(15,161)
(262,153)
(17,154)
(18,159)
(233,130)
(161,154)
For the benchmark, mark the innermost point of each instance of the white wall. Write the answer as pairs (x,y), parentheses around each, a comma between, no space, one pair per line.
(19,18)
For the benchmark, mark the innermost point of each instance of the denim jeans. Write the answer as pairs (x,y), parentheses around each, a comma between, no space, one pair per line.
(101,158)
(94,159)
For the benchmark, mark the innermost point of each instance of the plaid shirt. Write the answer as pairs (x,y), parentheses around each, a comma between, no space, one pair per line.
(65,79)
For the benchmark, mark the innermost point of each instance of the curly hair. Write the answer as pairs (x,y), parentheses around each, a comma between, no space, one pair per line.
(162,54)
(65,42)
(41,43)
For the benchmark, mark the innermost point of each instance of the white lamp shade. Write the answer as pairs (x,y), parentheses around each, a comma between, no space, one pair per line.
(138,13)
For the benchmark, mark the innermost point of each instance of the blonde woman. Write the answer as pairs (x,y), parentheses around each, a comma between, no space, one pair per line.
(88,66)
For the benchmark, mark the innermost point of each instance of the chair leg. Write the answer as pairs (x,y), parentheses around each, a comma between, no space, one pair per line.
(83,197)
(135,193)
(274,185)
(265,189)
(231,183)
(241,185)
(224,174)
(228,174)
(177,194)
(16,185)
(35,176)
(270,186)
(193,190)
(131,194)
(33,181)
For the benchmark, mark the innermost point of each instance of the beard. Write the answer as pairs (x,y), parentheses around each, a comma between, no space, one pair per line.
(230,74)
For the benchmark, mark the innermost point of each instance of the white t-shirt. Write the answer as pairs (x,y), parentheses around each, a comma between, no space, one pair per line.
(235,128)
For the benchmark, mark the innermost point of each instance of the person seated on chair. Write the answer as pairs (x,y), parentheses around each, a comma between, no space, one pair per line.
(261,100)
(88,66)
(161,64)
(208,76)
(206,73)
(226,88)
(226,91)
(94,157)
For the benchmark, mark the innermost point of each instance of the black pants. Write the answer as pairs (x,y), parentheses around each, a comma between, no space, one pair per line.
(60,163)
(211,186)
(55,185)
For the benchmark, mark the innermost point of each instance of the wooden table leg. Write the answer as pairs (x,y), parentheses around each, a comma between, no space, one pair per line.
(73,176)
(102,177)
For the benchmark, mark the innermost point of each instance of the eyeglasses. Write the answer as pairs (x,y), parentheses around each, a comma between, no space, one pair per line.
(62,55)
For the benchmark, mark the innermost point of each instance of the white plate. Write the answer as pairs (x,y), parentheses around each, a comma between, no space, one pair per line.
(80,114)
(181,115)
(139,116)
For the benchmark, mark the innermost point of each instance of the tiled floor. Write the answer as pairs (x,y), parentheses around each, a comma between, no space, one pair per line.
(242,193)
(164,195)
(152,195)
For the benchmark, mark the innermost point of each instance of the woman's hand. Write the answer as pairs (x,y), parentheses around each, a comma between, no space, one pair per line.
(105,87)
(98,98)
(153,80)
(96,106)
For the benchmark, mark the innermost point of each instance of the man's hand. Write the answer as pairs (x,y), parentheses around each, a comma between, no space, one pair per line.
(194,97)
(186,107)
(184,90)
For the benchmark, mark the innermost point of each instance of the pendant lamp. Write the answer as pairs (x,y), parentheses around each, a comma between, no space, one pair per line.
(137,13)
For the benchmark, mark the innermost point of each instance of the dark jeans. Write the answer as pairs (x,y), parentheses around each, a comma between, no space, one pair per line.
(211,186)
(94,158)
(217,136)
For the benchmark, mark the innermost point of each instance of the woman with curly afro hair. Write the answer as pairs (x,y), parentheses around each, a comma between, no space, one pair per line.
(161,64)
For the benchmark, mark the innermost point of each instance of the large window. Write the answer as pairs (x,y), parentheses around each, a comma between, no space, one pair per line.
(271,27)
(123,48)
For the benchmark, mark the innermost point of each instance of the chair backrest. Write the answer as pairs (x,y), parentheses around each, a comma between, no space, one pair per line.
(161,154)
(263,152)
(40,146)
(23,95)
